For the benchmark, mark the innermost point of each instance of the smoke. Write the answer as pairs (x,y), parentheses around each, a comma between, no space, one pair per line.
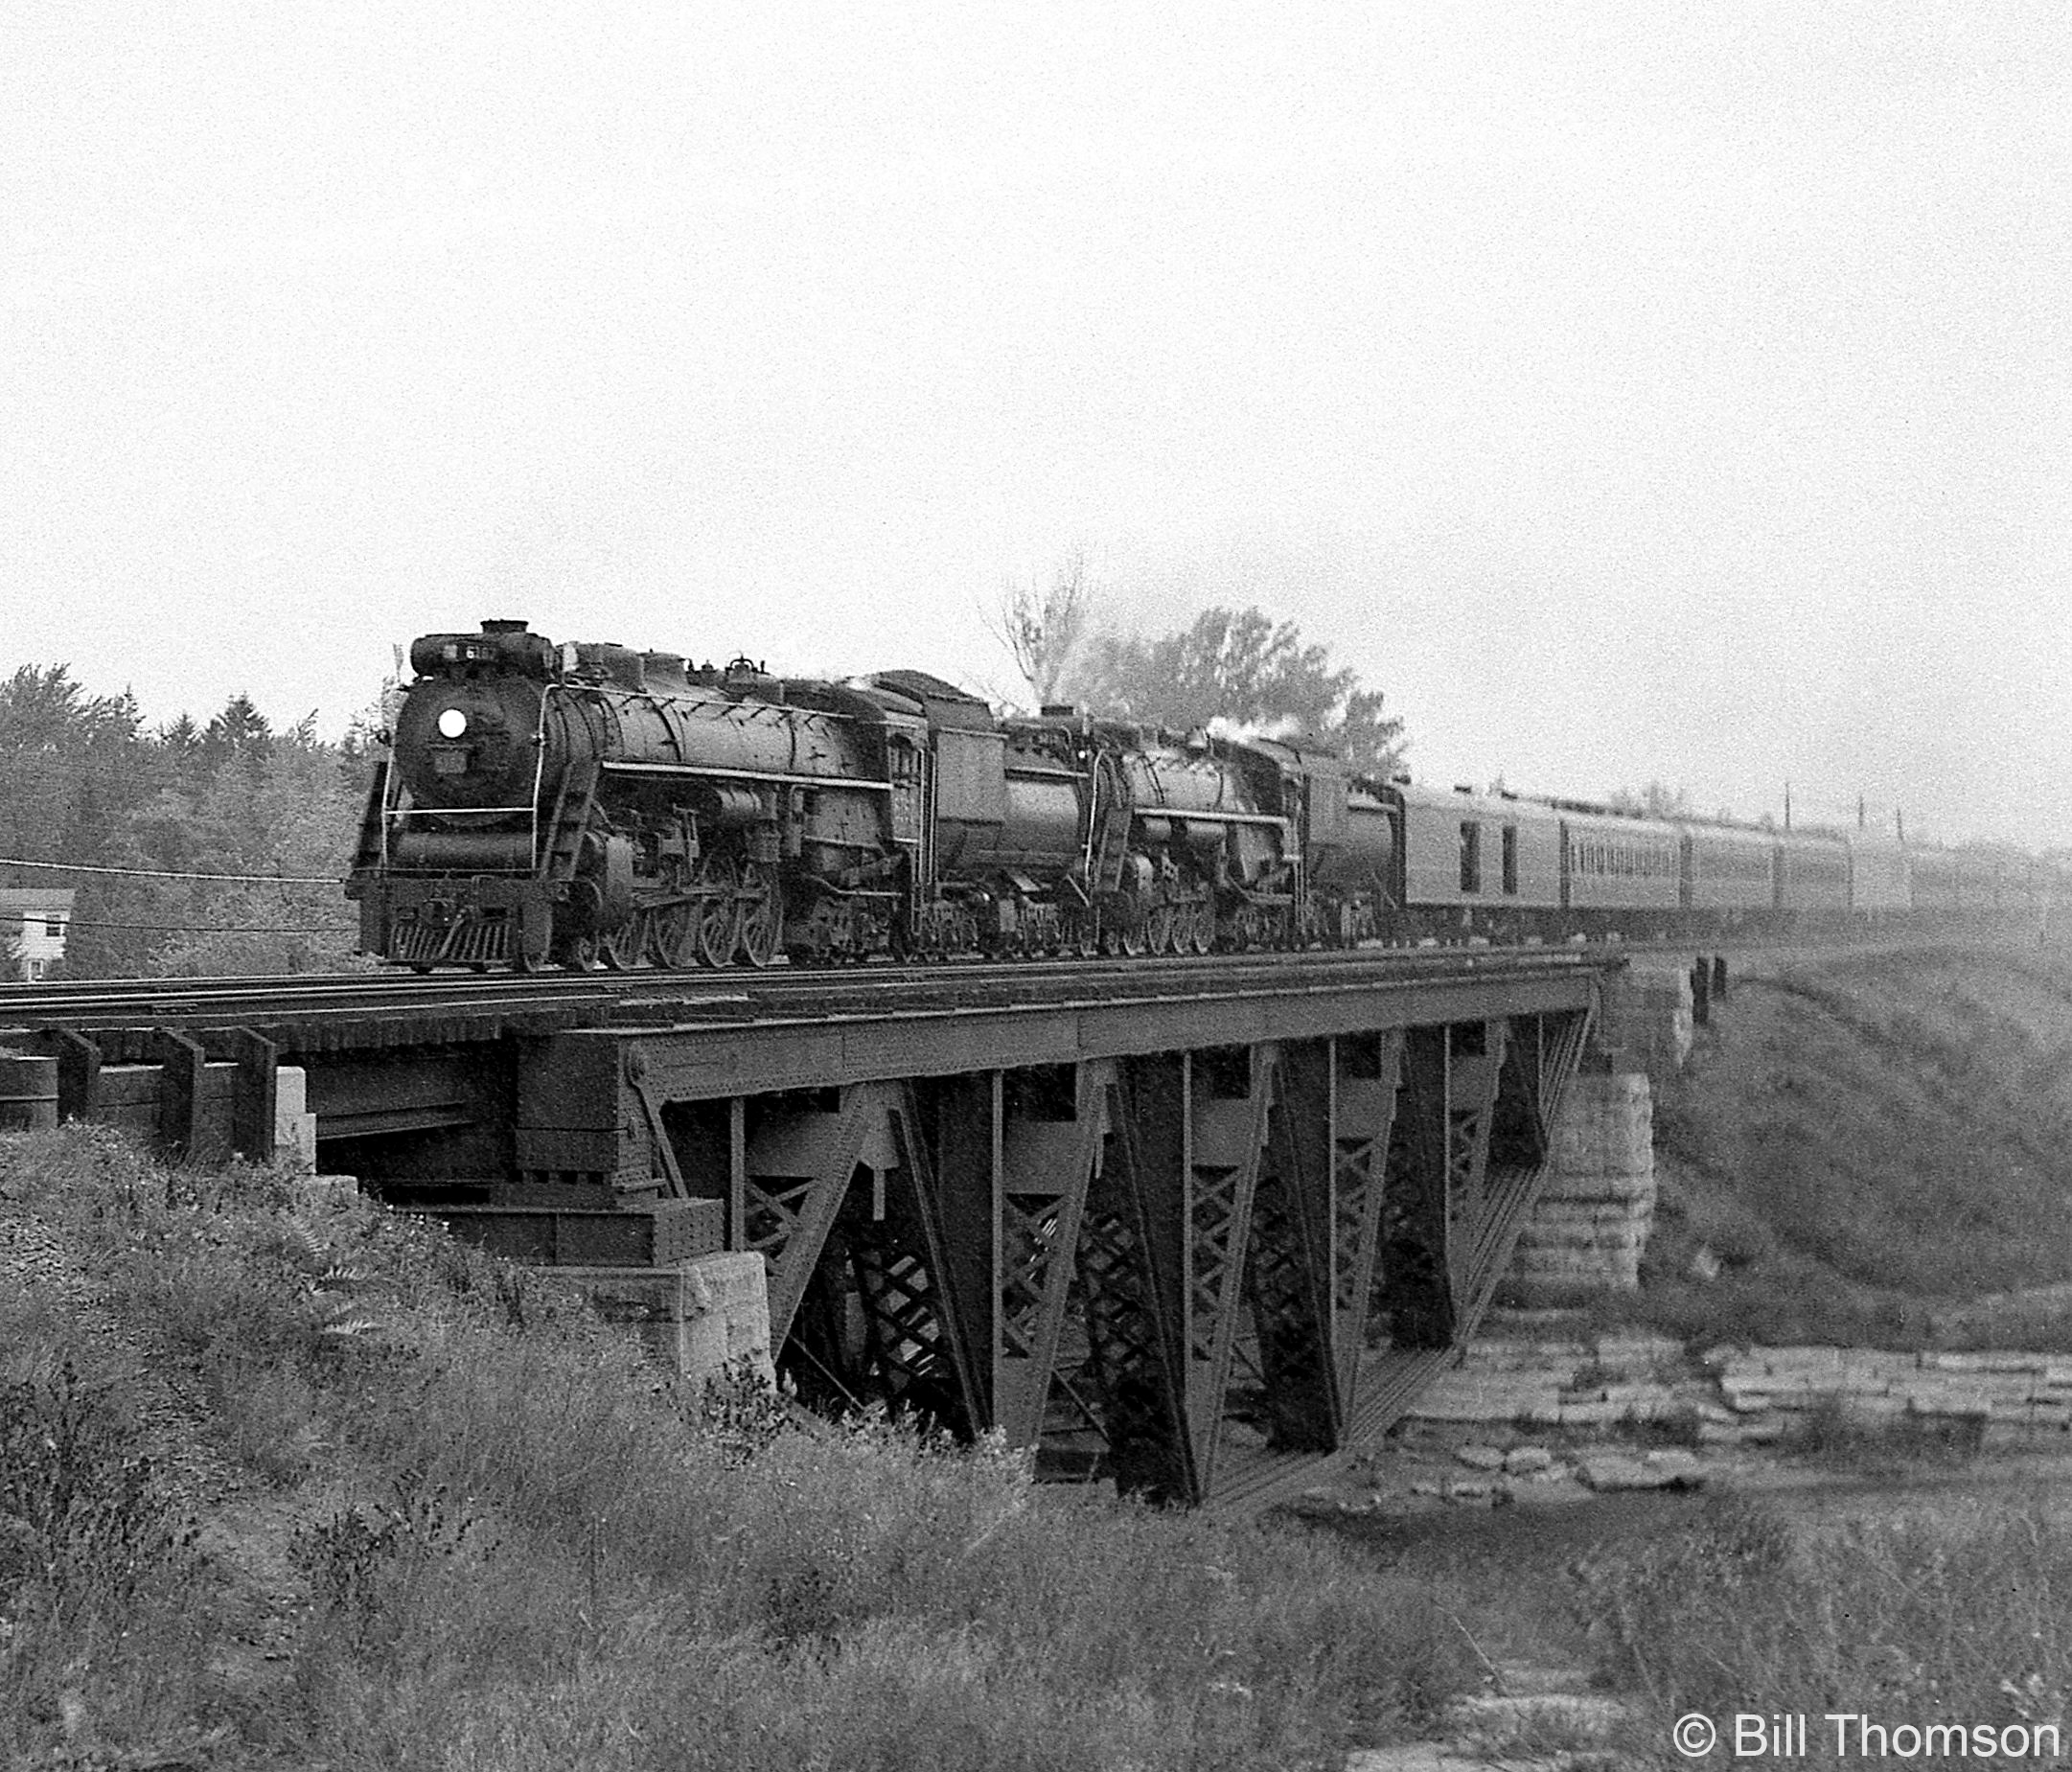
(1282,728)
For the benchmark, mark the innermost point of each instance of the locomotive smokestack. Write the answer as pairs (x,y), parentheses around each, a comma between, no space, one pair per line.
(503,627)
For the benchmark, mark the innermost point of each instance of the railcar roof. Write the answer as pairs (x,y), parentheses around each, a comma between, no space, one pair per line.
(1754,836)
(1619,823)
(1493,806)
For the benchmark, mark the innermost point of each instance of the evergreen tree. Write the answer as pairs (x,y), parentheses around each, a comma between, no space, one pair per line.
(82,783)
(241,731)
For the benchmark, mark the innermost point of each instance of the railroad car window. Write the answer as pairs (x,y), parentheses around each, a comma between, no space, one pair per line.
(1470,856)
(1510,860)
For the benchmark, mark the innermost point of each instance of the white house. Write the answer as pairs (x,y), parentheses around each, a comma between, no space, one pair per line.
(32,924)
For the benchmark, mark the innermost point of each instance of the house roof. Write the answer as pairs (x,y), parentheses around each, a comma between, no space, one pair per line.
(42,900)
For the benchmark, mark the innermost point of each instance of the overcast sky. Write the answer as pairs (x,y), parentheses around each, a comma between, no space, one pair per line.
(1630,391)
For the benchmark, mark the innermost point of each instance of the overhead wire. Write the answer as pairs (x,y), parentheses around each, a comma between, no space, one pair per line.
(172,873)
(211,928)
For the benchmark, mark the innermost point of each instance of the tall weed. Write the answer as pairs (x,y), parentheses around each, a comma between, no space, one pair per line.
(1923,1621)
(99,1638)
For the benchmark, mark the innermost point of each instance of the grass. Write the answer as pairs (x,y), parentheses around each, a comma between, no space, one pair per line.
(1866,1142)
(512,1543)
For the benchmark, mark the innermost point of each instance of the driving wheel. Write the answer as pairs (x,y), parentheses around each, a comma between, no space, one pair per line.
(719,918)
(622,946)
(673,935)
(762,920)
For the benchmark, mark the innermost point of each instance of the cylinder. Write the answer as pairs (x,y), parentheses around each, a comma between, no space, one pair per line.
(463,852)
(28,1092)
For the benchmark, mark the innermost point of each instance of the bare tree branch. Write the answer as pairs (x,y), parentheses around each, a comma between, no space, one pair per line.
(1041,627)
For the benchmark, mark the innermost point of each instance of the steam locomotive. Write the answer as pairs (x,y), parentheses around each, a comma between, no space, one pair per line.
(589,804)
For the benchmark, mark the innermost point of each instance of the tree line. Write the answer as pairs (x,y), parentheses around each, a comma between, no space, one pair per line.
(85,784)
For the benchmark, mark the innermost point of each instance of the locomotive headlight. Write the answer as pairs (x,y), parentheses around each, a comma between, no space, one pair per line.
(452,723)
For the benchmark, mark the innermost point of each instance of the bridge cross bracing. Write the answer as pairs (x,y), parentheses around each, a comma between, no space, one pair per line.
(1194,1246)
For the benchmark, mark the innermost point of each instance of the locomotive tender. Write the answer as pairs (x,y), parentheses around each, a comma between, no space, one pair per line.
(586,804)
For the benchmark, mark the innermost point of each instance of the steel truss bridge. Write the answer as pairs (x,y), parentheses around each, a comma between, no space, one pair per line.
(1198,1227)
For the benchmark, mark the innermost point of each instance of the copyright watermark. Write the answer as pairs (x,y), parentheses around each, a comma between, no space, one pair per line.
(1694,1735)
(1851,1735)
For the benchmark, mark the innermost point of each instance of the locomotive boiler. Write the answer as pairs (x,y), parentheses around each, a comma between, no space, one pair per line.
(586,804)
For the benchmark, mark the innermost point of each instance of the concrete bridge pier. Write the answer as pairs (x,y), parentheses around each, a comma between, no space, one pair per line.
(1589,1229)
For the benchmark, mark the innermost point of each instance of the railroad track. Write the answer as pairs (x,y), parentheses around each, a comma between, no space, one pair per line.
(780,993)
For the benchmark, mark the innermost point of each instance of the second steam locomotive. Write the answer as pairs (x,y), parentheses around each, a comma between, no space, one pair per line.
(588,804)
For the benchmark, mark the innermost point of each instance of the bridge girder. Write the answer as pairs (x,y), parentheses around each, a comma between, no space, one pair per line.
(1197,1271)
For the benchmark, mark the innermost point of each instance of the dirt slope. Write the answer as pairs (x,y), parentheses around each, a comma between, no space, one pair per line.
(1867,1143)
